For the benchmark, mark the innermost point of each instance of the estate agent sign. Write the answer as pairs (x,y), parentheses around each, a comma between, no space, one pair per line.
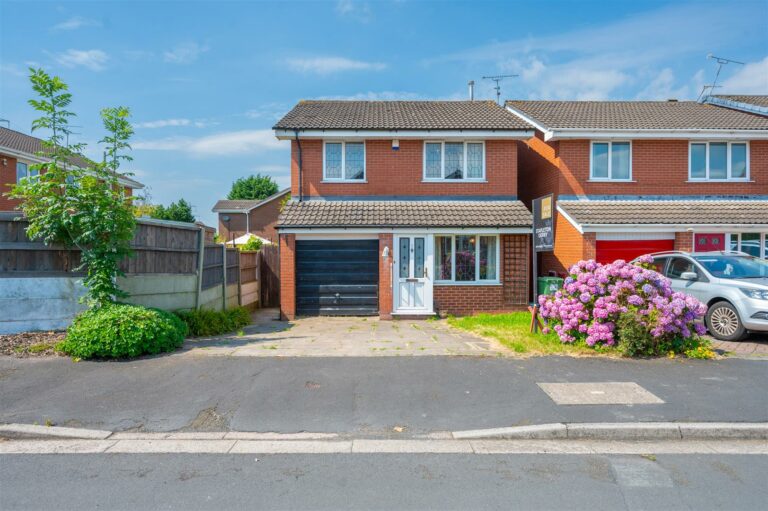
(543,233)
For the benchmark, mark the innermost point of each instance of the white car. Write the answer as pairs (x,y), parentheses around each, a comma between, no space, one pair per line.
(733,285)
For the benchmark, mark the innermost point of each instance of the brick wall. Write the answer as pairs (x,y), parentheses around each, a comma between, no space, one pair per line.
(234,228)
(684,241)
(538,170)
(400,172)
(262,222)
(7,181)
(570,247)
(385,277)
(512,294)
(287,276)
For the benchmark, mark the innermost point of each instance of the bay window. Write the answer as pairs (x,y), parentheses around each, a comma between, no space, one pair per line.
(718,161)
(467,258)
(448,161)
(344,161)
(611,161)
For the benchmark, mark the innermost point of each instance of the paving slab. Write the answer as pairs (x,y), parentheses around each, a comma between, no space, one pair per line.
(599,393)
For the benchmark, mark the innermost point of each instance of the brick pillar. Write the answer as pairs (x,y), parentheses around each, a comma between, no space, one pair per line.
(590,246)
(287,276)
(684,241)
(385,277)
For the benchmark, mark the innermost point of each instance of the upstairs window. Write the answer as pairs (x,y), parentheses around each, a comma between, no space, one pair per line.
(23,171)
(611,161)
(451,161)
(344,161)
(718,161)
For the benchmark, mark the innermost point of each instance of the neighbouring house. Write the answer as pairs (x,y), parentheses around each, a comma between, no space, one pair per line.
(403,208)
(19,151)
(239,219)
(633,177)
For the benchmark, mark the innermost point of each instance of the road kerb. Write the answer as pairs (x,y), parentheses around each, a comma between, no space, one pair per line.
(535,432)
(624,431)
(707,430)
(34,430)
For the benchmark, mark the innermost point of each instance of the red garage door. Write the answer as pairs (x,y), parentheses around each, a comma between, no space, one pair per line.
(610,250)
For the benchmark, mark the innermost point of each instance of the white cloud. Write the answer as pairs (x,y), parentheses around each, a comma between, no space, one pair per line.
(94,60)
(220,144)
(663,86)
(164,123)
(751,78)
(271,111)
(328,65)
(355,9)
(76,22)
(184,53)
(11,70)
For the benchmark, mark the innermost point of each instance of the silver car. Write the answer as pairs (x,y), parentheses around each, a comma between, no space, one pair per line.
(733,285)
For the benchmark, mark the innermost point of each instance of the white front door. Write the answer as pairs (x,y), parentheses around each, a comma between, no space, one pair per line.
(413,274)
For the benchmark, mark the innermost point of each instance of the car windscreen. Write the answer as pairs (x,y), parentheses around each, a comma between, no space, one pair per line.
(734,267)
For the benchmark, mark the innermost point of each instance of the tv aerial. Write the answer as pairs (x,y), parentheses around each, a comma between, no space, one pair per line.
(498,79)
(721,61)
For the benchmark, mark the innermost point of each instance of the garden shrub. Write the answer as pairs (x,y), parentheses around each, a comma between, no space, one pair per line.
(203,322)
(252,245)
(626,303)
(120,331)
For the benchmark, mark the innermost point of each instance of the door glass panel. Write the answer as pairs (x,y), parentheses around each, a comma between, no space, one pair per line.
(454,160)
(750,243)
(443,254)
(698,161)
(620,160)
(405,257)
(488,258)
(738,161)
(433,160)
(718,160)
(418,258)
(600,160)
(465,258)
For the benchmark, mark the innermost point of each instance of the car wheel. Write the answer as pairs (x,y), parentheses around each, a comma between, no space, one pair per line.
(723,322)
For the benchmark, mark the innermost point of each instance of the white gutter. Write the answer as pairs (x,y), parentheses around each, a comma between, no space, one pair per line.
(282,134)
(416,230)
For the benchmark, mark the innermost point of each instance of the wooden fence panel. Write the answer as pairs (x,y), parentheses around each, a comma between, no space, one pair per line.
(249,267)
(269,276)
(233,266)
(213,259)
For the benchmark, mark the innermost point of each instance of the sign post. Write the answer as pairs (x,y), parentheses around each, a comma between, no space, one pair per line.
(543,241)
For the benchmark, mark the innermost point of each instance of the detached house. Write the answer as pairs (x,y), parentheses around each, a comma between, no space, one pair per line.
(635,177)
(403,208)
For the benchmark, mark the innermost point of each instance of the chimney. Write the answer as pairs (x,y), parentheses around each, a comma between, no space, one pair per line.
(471,90)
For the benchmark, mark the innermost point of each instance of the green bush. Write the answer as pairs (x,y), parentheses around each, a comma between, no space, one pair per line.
(121,331)
(253,244)
(204,323)
(635,340)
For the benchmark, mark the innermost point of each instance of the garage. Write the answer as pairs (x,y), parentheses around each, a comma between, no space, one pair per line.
(337,277)
(608,250)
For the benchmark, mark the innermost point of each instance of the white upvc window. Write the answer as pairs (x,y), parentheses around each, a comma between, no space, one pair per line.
(344,161)
(467,259)
(25,170)
(610,161)
(718,161)
(752,243)
(452,161)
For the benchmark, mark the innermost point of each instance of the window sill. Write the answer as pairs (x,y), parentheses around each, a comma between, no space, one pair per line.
(454,180)
(720,181)
(475,283)
(345,181)
(611,181)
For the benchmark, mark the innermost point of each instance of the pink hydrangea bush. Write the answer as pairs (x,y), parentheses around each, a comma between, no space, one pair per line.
(595,295)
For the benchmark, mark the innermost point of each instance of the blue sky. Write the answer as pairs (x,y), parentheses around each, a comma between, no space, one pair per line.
(206,80)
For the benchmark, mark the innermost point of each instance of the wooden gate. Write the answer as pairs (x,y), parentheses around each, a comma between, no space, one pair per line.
(270,276)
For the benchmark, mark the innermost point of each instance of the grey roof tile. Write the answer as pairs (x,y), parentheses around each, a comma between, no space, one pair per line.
(637,115)
(401,115)
(616,212)
(417,213)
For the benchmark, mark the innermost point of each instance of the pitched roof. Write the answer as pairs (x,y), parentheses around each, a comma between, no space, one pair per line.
(245,205)
(750,99)
(400,115)
(417,213)
(636,115)
(695,212)
(27,144)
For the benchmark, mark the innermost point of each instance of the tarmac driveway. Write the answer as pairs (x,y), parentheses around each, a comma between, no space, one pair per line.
(341,337)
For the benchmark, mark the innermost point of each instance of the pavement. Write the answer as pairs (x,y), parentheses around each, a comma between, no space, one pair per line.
(341,337)
(371,396)
(384,481)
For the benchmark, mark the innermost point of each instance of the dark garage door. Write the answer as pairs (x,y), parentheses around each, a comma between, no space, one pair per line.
(337,277)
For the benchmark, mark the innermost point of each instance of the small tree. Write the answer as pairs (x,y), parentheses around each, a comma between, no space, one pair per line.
(256,187)
(180,211)
(79,207)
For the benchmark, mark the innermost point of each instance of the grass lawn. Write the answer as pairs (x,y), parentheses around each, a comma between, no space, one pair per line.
(513,331)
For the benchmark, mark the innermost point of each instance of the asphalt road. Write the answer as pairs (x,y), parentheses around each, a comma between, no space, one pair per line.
(364,396)
(477,482)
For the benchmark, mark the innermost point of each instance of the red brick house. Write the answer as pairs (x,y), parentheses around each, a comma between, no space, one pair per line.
(258,217)
(19,151)
(633,177)
(403,208)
